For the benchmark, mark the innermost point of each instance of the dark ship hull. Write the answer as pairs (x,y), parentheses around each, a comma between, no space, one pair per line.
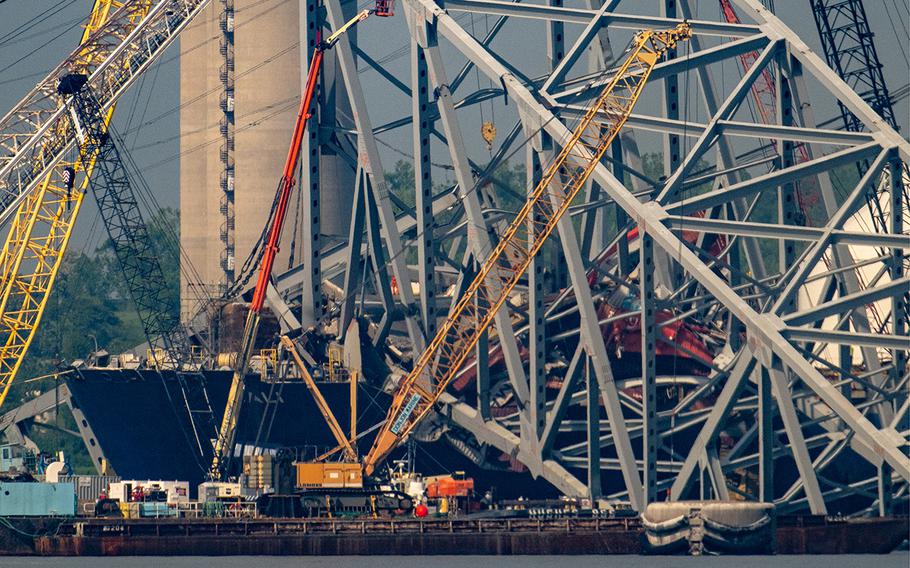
(143,434)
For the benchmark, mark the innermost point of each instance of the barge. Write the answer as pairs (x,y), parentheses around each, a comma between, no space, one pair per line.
(327,537)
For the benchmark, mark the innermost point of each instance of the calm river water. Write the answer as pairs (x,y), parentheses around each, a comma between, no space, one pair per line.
(895,560)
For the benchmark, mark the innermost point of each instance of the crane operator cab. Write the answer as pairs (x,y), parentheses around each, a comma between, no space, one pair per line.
(384,8)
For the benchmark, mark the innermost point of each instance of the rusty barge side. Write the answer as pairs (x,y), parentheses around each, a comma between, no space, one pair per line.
(343,537)
(136,537)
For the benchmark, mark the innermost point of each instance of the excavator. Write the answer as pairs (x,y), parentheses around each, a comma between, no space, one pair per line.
(419,392)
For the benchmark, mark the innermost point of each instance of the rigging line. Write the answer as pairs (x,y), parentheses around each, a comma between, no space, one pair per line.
(270,408)
(30,24)
(296,227)
(900,44)
(24,77)
(407,155)
(203,145)
(476,70)
(202,129)
(137,100)
(900,14)
(148,100)
(684,192)
(145,193)
(40,47)
(172,244)
(45,31)
(270,59)
(252,261)
(206,42)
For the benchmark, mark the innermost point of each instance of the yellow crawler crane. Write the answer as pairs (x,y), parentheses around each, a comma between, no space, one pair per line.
(565,176)
(41,228)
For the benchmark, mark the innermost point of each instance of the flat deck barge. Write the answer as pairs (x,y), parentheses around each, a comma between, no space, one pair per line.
(343,537)
(221,537)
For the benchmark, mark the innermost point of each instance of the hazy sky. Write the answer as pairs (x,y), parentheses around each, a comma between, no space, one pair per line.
(36,34)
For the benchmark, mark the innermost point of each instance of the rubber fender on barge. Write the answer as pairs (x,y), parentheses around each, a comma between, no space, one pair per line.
(693,527)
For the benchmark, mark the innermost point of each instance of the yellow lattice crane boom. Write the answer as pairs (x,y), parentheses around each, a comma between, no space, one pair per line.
(40,192)
(418,392)
(41,228)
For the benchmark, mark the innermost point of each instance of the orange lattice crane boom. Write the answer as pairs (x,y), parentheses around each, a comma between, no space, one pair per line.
(419,391)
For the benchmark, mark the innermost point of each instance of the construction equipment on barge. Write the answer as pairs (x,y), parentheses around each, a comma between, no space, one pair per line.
(845,404)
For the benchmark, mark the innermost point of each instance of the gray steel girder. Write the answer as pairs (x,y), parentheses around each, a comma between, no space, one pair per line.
(764,331)
(369,154)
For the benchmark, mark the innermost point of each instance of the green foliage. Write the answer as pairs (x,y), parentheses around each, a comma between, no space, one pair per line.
(401,182)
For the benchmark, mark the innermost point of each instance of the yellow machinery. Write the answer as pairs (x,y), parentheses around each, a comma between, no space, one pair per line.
(565,176)
(329,475)
(324,408)
(41,227)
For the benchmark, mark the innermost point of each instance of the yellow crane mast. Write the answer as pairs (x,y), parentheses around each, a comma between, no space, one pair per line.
(41,228)
(419,391)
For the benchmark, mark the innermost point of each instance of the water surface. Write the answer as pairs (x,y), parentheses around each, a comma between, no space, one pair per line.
(894,560)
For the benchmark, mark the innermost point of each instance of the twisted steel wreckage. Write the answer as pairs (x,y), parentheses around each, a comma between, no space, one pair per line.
(735,327)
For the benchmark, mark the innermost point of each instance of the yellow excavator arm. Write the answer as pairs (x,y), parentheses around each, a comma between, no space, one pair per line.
(419,391)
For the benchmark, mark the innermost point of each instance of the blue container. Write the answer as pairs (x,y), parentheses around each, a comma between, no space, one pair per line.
(37,500)
(156,510)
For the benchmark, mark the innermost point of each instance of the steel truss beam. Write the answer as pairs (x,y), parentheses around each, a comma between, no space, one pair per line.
(775,340)
(773,318)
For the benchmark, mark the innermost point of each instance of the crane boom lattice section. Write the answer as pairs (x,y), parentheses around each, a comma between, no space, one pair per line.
(36,133)
(44,217)
(138,258)
(533,224)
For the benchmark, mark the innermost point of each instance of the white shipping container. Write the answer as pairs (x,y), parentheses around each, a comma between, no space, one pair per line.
(177,491)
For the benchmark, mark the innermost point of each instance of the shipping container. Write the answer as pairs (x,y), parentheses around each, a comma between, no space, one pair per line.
(37,500)
(89,487)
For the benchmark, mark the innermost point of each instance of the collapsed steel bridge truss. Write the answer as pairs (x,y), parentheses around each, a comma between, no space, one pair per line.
(800,394)
(806,305)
